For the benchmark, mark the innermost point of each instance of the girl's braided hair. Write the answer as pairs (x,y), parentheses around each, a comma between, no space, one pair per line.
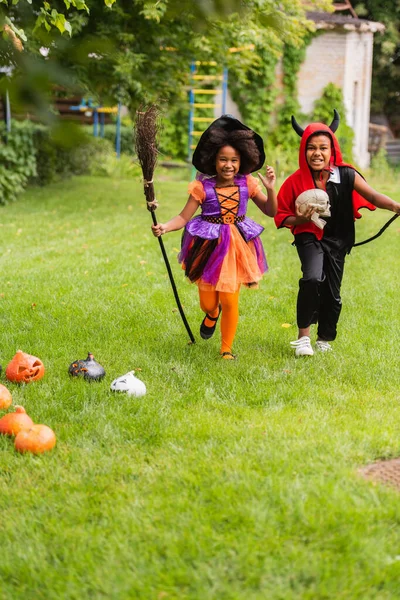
(241,140)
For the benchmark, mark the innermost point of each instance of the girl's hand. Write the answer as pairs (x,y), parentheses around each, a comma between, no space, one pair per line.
(270,178)
(396,208)
(158,229)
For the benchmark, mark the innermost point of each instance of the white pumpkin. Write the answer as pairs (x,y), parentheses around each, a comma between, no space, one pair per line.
(129,384)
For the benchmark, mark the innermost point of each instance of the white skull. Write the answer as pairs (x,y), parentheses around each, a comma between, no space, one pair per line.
(319,200)
(130,384)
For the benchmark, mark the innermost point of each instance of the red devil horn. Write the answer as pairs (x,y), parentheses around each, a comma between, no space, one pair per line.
(299,130)
(336,120)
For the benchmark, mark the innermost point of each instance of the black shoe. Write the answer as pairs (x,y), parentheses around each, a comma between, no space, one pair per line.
(207,332)
(228,356)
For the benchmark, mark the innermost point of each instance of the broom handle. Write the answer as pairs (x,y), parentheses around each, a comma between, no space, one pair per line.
(171,278)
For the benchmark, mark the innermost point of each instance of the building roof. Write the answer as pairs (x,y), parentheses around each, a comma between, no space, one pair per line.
(324,20)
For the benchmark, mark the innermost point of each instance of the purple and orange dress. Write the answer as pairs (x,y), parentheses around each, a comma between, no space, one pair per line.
(221,248)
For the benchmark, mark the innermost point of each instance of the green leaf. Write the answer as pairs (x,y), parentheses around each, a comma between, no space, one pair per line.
(61,23)
(109,3)
(18,32)
(68,27)
(79,4)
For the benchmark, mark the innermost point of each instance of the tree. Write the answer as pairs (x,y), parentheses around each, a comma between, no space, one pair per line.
(140,50)
(47,14)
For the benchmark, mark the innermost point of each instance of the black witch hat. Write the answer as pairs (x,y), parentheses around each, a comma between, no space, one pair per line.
(229,124)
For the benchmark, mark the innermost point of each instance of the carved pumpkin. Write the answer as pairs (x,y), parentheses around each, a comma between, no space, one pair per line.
(89,368)
(14,422)
(5,397)
(24,368)
(36,439)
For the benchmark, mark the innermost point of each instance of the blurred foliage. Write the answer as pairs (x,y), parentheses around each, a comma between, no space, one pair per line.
(255,96)
(48,15)
(173,138)
(283,135)
(384,172)
(17,160)
(386,60)
(123,167)
(140,52)
(332,97)
(110,132)
(35,153)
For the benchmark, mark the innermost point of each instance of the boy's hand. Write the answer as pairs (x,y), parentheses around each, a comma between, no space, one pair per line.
(269,179)
(306,215)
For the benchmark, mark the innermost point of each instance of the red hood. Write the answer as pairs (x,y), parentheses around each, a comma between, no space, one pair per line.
(310,130)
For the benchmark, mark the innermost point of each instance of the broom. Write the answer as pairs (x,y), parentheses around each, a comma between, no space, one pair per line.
(146,149)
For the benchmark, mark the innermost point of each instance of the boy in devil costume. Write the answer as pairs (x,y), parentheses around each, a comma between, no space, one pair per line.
(322,251)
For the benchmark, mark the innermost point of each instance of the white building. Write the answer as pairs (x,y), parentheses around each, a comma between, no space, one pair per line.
(341,54)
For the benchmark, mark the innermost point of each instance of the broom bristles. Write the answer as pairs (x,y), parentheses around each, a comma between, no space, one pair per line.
(146,140)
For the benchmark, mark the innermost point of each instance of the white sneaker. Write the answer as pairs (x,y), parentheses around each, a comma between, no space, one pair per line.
(323,346)
(303,346)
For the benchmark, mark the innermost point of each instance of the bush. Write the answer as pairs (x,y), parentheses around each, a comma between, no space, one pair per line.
(174,134)
(382,170)
(17,160)
(332,97)
(284,161)
(63,155)
(116,168)
(110,132)
(34,153)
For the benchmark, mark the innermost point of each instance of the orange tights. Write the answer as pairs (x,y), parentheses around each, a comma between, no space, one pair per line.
(209,302)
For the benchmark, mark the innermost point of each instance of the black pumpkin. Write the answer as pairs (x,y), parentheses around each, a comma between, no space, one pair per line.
(89,369)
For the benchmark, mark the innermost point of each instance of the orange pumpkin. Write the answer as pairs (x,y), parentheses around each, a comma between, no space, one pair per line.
(14,422)
(24,368)
(5,397)
(37,439)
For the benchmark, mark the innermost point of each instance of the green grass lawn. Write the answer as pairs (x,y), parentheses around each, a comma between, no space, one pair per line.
(228,480)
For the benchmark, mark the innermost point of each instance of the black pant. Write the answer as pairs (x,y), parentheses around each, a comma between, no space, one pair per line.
(318,300)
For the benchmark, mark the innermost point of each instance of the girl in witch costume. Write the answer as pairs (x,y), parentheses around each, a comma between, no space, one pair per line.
(221,249)
(322,249)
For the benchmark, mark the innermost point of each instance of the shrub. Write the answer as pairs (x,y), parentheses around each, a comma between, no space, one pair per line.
(332,97)
(34,153)
(17,160)
(116,168)
(110,132)
(62,155)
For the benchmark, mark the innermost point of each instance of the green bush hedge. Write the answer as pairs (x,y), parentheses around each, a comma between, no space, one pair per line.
(17,160)
(110,131)
(34,153)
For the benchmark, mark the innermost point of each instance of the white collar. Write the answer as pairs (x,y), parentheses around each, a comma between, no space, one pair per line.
(334,175)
